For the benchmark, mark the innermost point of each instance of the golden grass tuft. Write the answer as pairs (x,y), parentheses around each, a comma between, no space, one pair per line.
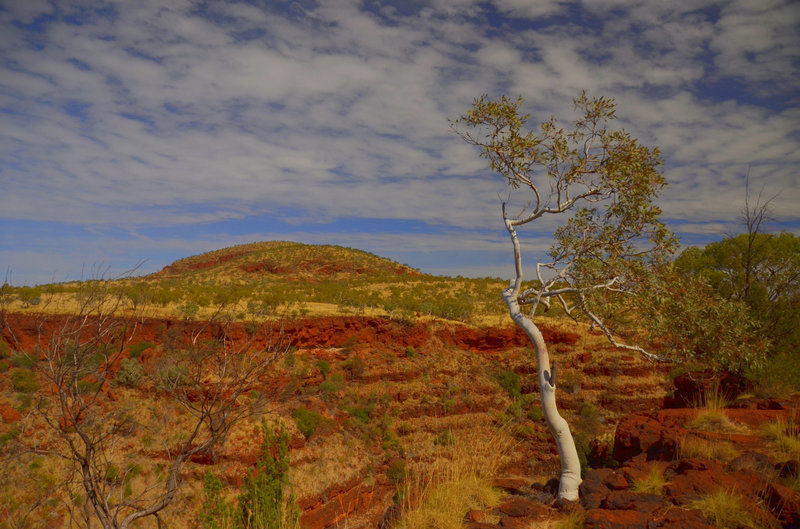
(784,437)
(713,421)
(653,483)
(725,510)
(706,449)
(712,416)
(438,493)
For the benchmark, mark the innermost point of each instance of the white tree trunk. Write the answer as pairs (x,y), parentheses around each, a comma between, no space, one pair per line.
(570,464)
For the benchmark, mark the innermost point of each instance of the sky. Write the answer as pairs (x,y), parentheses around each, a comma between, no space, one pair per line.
(135,133)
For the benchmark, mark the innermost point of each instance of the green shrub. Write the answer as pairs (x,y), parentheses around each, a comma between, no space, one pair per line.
(266,501)
(22,380)
(5,349)
(215,512)
(391,441)
(22,359)
(324,368)
(535,414)
(306,420)
(510,382)
(138,348)
(130,373)
(355,366)
(410,352)
(331,386)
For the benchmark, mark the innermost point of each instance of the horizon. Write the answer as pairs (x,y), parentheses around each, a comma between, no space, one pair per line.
(139,132)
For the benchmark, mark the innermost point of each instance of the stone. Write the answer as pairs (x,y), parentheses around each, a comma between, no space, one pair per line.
(607,519)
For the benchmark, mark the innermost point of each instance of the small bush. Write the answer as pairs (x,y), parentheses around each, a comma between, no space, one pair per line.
(391,442)
(5,349)
(138,348)
(22,359)
(306,420)
(266,501)
(22,380)
(410,352)
(130,373)
(509,381)
(324,368)
(215,512)
(355,366)
(331,386)
(535,414)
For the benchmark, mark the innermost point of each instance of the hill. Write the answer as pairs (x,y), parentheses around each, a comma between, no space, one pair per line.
(276,279)
(285,259)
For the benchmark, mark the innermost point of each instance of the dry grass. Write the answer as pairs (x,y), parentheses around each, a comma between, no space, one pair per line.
(784,437)
(438,493)
(653,483)
(703,448)
(725,510)
(712,416)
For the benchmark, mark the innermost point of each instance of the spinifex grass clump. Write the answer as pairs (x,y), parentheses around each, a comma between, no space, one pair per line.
(711,416)
(653,483)
(725,509)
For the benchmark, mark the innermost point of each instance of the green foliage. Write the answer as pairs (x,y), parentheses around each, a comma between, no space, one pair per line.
(410,352)
(331,386)
(23,359)
(130,373)
(5,349)
(510,382)
(266,501)
(22,380)
(136,349)
(391,442)
(215,513)
(306,420)
(760,272)
(535,414)
(324,367)
(689,320)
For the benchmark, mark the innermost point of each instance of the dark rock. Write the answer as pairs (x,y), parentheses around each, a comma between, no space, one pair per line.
(691,388)
(789,469)
(632,501)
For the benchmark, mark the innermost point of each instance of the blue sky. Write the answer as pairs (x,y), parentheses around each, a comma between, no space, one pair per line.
(153,130)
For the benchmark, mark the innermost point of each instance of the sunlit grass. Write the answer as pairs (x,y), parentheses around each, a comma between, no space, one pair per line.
(725,510)
(705,449)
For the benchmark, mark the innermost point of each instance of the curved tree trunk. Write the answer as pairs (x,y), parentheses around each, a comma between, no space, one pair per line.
(570,464)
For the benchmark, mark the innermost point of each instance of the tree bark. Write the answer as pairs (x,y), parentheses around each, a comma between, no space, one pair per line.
(570,464)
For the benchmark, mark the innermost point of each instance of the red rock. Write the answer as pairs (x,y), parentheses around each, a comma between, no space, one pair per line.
(515,523)
(512,485)
(785,503)
(476,516)
(605,519)
(518,507)
(9,414)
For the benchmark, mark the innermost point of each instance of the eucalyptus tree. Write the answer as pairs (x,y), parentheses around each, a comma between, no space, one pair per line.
(603,183)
